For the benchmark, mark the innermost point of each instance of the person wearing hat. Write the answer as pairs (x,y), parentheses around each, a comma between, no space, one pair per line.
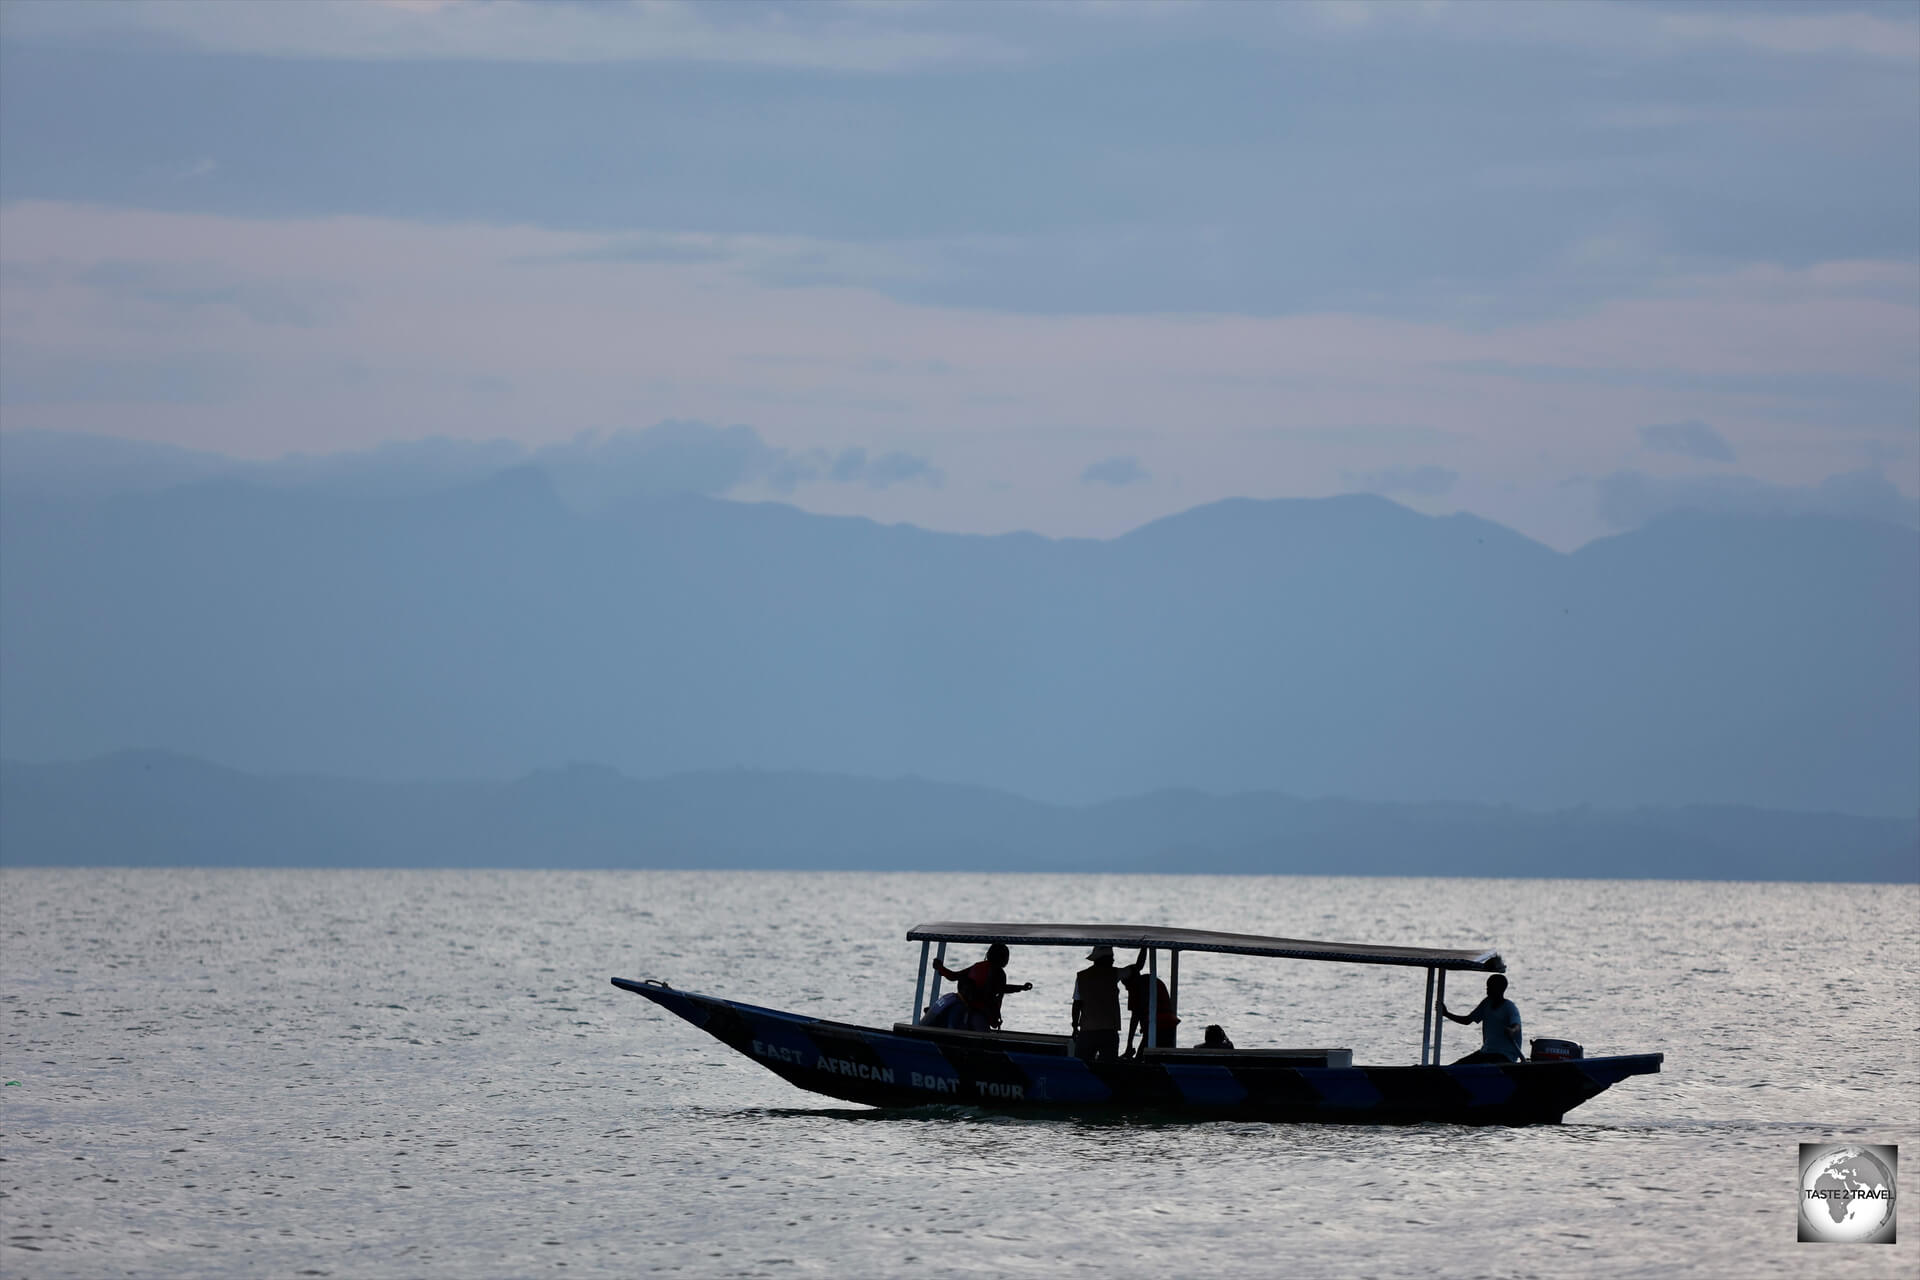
(1096,1007)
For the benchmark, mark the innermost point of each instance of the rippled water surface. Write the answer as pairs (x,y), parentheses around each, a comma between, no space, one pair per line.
(365,1073)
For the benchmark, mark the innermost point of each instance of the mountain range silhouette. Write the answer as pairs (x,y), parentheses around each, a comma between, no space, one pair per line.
(1342,647)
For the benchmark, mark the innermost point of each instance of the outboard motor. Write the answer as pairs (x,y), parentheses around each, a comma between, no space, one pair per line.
(1545,1050)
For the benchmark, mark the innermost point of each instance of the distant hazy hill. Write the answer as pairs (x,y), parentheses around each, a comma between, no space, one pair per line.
(1345,646)
(152,809)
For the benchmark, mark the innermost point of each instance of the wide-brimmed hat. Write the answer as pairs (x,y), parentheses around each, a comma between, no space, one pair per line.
(1101,952)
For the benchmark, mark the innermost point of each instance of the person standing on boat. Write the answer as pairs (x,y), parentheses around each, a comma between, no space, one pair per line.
(982,985)
(1096,1007)
(1134,979)
(1499,1020)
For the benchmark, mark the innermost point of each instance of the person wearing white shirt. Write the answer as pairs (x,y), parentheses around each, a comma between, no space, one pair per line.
(1499,1020)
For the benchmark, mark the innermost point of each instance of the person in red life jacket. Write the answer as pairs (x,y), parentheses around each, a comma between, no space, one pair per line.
(1135,981)
(982,985)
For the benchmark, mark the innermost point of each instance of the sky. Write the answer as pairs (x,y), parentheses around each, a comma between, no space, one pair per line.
(1061,267)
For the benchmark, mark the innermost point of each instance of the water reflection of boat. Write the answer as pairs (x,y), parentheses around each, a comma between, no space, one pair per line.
(916,1065)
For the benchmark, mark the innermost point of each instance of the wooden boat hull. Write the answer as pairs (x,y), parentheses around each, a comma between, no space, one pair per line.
(891,1069)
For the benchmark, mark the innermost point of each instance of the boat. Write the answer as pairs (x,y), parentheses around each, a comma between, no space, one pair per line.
(915,1064)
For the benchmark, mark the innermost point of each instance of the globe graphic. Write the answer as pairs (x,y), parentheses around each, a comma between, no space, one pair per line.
(1836,1215)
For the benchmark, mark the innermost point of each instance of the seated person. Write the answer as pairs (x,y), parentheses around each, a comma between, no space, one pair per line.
(946,1012)
(1499,1020)
(1216,1038)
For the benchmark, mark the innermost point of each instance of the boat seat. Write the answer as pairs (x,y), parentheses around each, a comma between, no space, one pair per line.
(1023,1041)
(1266,1057)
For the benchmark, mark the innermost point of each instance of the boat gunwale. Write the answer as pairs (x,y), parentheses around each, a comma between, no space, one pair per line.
(1020,1041)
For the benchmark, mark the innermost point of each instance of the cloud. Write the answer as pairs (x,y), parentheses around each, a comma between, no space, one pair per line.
(1365,436)
(670,457)
(653,247)
(145,294)
(408,321)
(34,380)
(1427,481)
(592,470)
(854,466)
(900,468)
(393,469)
(1174,196)
(832,37)
(788,261)
(864,37)
(1825,30)
(1829,31)
(683,456)
(1691,439)
(1115,472)
(1628,499)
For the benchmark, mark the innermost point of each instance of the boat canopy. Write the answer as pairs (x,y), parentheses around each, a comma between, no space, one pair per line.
(1131,936)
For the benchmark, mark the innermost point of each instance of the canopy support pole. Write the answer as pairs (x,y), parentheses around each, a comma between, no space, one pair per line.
(1173,979)
(1153,998)
(939,958)
(920,987)
(1439,1021)
(1426,1018)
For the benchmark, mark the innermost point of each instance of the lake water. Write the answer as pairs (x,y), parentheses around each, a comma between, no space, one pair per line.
(368,1073)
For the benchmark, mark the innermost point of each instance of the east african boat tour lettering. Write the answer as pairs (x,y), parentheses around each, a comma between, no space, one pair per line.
(858,1070)
(951,1084)
(779,1053)
(884,1075)
(832,1066)
(987,1088)
(939,1084)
